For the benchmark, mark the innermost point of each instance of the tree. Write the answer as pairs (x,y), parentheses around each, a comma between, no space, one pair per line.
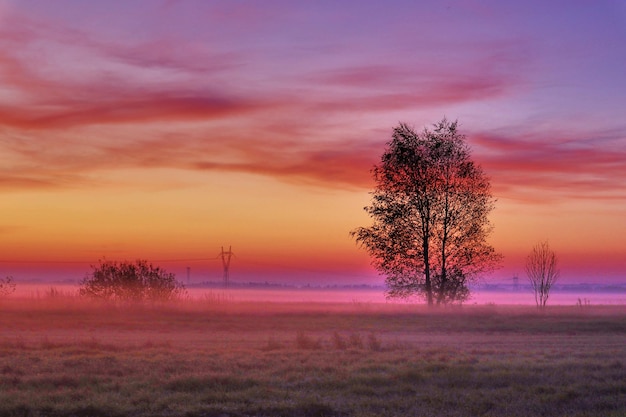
(127,281)
(429,210)
(541,268)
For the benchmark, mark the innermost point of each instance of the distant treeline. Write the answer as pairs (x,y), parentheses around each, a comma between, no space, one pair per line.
(523,287)
(288,286)
(583,287)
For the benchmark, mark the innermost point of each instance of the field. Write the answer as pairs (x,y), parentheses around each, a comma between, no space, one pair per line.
(60,356)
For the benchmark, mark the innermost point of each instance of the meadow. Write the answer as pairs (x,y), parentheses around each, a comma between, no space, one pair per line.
(212,357)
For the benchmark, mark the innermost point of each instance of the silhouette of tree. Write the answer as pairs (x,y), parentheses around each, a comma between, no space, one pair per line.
(430,208)
(541,268)
(127,281)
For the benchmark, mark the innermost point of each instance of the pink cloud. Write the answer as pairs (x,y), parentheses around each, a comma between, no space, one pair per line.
(410,85)
(107,82)
(553,167)
(139,108)
(440,93)
(271,131)
(53,105)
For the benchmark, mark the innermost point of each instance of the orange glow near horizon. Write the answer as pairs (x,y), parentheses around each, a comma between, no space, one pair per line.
(276,229)
(257,127)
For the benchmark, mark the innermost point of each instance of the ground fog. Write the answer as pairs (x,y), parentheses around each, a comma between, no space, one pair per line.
(62,356)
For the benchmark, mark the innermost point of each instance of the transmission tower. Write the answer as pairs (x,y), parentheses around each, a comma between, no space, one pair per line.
(226,262)
(515,282)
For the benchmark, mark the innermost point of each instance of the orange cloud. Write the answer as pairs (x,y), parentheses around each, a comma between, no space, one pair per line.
(16,182)
(343,165)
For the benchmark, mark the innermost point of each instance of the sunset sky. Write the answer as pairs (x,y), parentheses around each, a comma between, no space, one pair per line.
(164,130)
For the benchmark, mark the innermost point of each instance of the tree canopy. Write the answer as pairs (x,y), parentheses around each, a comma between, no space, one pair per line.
(430,211)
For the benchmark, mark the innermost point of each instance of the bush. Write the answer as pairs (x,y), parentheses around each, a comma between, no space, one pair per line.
(303,341)
(339,342)
(7,286)
(355,341)
(139,281)
(374,343)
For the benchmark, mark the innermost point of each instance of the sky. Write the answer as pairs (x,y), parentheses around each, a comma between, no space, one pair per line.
(166,130)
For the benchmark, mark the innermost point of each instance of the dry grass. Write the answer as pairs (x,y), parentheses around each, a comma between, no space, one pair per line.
(62,357)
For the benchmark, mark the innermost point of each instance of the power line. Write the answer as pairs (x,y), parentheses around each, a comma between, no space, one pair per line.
(187,260)
(9,261)
(15,261)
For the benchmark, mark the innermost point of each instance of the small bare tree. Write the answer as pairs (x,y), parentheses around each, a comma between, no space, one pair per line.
(541,268)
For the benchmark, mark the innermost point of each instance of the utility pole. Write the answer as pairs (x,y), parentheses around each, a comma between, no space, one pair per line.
(226,263)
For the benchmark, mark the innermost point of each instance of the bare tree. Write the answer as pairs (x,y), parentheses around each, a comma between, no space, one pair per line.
(430,208)
(541,268)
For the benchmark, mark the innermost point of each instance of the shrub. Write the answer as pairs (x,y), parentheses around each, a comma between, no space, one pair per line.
(303,341)
(374,343)
(7,286)
(339,342)
(272,344)
(355,341)
(126,281)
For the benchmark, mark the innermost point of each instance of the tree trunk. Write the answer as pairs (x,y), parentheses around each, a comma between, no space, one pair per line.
(428,286)
(427,283)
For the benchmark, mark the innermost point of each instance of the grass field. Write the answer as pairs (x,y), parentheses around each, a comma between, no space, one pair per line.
(62,357)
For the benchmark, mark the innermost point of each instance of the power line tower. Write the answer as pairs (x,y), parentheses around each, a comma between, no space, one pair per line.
(515,282)
(226,255)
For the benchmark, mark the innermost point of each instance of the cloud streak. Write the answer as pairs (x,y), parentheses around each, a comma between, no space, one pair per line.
(547,167)
(337,165)
(78,81)
(156,107)
(345,165)
(534,168)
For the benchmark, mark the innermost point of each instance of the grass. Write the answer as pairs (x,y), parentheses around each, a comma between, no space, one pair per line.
(63,357)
